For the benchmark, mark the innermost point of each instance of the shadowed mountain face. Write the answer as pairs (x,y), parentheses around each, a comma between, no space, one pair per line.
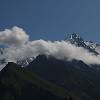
(71,80)
(73,75)
(16,83)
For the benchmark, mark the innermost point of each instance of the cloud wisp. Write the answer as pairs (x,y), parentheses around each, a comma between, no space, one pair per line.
(19,46)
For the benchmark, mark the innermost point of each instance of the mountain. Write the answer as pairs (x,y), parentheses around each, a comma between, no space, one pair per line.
(77,40)
(73,75)
(17,83)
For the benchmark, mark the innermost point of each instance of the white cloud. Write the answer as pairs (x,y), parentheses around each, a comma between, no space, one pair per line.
(21,47)
(15,36)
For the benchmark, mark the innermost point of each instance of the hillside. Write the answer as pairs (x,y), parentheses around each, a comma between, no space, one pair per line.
(75,76)
(16,83)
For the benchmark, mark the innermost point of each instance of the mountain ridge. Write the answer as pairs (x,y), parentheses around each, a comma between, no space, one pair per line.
(73,75)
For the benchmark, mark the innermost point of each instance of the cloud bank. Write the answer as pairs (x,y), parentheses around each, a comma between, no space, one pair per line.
(20,47)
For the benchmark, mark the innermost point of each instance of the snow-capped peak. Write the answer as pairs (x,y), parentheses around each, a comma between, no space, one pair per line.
(73,36)
(76,39)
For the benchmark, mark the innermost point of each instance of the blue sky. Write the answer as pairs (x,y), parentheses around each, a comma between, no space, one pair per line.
(51,19)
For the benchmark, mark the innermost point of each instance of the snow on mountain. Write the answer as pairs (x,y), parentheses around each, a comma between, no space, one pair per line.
(91,44)
(76,39)
(3,60)
(24,62)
